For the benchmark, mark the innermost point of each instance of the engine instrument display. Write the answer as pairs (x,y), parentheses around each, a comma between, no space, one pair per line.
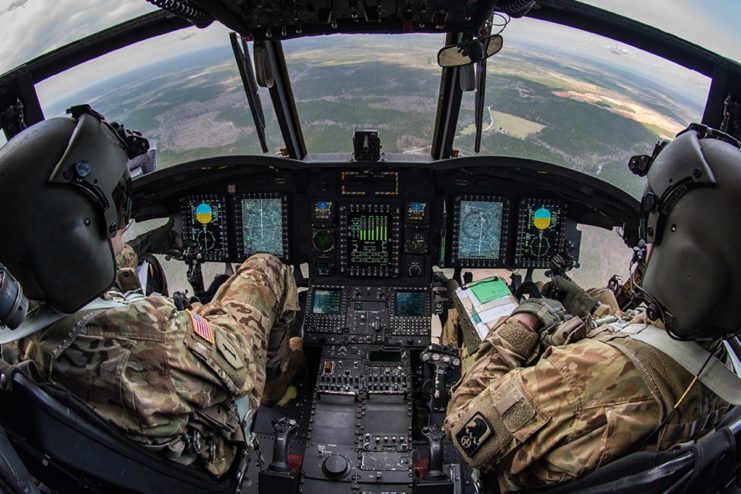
(540,231)
(327,301)
(370,240)
(410,303)
(204,225)
(262,224)
(479,231)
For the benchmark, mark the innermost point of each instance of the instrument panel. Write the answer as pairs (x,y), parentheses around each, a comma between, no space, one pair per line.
(378,226)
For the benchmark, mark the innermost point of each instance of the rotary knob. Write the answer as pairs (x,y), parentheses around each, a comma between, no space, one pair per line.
(414,270)
(335,466)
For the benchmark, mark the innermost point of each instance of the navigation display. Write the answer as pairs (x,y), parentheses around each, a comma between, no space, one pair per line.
(327,301)
(370,244)
(478,232)
(410,303)
(204,225)
(540,232)
(261,221)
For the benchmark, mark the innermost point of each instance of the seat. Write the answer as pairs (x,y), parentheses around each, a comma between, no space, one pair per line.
(709,465)
(64,444)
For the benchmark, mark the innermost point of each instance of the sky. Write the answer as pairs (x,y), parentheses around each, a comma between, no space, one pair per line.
(33,27)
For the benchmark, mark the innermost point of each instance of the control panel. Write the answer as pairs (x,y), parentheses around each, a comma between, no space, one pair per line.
(369,241)
(362,417)
(358,314)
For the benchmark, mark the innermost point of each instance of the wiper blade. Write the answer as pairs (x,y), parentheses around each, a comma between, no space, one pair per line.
(479,102)
(247,73)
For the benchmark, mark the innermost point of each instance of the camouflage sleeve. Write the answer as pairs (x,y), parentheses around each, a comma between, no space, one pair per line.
(508,345)
(232,339)
(580,406)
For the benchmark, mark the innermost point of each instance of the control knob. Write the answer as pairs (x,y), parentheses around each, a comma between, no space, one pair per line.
(414,270)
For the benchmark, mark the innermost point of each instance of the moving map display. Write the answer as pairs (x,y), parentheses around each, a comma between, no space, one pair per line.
(204,225)
(262,219)
(478,230)
(540,232)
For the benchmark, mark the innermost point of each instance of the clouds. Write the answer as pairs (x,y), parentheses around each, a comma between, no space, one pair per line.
(33,27)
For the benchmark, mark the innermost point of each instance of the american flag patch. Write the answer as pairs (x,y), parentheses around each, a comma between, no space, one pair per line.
(201,327)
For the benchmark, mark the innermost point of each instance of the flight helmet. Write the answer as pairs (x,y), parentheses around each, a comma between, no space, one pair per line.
(691,212)
(65,190)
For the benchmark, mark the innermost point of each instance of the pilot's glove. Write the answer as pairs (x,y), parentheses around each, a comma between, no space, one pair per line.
(576,301)
(549,312)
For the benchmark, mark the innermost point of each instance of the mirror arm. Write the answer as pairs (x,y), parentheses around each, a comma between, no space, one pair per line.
(479,102)
(247,74)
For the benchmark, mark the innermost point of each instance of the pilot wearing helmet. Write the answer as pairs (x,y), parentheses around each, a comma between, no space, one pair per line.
(546,401)
(179,382)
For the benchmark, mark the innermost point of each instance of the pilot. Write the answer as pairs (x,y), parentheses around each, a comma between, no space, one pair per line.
(547,401)
(176,382)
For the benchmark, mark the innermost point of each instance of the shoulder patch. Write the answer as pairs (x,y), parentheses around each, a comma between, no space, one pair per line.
(474,434)
(201,327)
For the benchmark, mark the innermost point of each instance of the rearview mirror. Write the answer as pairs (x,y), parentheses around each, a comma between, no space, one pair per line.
(468,52)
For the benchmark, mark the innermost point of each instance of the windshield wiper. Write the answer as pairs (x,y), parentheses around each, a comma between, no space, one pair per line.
(247,73)
(479,102)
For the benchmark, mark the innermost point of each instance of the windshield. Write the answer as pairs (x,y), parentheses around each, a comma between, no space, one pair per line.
(579,100)
(388,83)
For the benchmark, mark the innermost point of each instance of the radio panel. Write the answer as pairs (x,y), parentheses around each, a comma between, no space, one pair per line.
(368,315)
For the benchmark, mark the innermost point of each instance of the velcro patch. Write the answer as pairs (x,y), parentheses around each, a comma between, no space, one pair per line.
(474,434)
(201,327)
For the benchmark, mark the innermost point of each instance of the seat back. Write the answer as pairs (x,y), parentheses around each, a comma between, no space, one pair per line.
(66,445)
(706,466)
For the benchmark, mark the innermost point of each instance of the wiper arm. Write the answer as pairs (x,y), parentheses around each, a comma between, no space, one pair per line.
(479,102)
(247,73)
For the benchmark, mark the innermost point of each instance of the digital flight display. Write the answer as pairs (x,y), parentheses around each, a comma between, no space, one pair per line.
(327,301)
(416,211)
(479,229)
(262,224)
(410,303)
(204,225)
(540,232)
(369,239)
(323,210)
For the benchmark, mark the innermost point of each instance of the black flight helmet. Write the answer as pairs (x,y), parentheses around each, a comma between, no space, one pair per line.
(65,191)
(691,212)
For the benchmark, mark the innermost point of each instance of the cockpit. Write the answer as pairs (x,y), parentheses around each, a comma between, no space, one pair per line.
(374,236)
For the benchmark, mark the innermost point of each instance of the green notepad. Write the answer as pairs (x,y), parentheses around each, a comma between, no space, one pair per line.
(490,289)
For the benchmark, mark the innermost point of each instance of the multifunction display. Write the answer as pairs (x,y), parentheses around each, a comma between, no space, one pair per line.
(370,240)
(261,223)
(327,301)
(540,232)
(410,303)
(370,244)
(479,231)
(204,225)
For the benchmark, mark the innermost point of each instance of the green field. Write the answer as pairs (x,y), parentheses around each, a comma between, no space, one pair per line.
(194,107)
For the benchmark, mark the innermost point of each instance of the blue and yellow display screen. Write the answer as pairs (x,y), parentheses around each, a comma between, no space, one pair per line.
(540,231)
(204,225)
(369,239)
(262,226)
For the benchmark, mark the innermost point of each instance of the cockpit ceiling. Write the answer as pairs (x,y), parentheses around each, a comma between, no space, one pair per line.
(267,18)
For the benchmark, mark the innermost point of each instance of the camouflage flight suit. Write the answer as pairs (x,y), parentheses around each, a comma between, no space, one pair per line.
(533,415)
(168,378)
